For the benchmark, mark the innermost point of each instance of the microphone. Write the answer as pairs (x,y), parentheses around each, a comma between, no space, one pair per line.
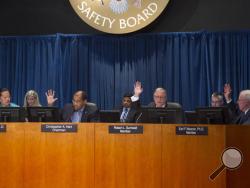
(137,119)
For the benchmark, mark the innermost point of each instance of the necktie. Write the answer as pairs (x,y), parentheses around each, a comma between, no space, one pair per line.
(124,115)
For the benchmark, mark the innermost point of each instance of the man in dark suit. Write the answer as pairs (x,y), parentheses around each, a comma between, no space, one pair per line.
(244,107)
(217,100)
(160,100)
(225,99)
(128,111)
(80,110)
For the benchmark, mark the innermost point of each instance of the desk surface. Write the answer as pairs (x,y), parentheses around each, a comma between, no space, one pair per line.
(92,157)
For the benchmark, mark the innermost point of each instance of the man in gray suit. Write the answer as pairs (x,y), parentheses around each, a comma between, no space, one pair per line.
(80,110)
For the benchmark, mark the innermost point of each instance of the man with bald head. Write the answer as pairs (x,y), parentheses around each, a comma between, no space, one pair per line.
(244,107)
(5,98)
(80,110)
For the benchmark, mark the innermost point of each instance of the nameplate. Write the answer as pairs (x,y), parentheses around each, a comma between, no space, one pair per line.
(59,128)
(187,130)
(113,129)
(2,128)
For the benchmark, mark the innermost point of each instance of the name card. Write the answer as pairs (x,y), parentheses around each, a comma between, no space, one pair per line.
(2,128)
(113,129)
(59,128)
(187,130)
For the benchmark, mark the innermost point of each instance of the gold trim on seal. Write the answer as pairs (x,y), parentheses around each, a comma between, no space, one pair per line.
(118,16)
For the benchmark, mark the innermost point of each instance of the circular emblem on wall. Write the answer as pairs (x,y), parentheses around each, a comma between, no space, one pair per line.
(118,16)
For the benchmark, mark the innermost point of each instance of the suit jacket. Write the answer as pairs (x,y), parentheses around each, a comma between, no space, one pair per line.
(243,119)
(236,116)
(132,115)
(133,112)
(90,113)
(233,111)
(247,122)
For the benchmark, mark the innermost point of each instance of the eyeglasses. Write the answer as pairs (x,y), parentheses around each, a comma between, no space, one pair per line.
(159,97)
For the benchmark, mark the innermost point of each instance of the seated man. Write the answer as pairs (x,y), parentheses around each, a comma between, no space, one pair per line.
(159,96)
(244,107)
(217,100)
(5,98)
(128,111)
(80,110)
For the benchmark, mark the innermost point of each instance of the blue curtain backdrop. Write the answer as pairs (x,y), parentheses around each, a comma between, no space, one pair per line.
(189,65)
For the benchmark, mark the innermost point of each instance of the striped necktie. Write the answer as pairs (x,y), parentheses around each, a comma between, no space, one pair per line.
(124,115)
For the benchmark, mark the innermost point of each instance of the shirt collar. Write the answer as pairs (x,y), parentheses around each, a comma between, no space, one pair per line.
(80,110)
(247,111)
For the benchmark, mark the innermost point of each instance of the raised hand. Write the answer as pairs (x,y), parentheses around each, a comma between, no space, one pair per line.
(228,92)
(137,89)
(50,94)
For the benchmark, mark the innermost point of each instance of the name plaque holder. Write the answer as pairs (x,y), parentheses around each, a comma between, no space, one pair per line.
(59,128)
(125,129)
